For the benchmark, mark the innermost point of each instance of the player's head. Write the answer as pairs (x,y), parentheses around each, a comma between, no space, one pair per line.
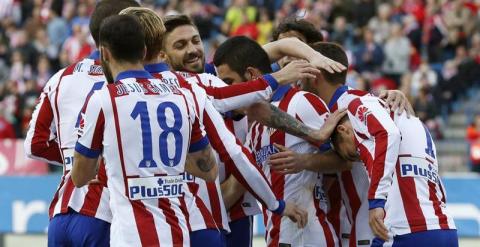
(152,27)
(301,29)
(121,41)
(334,52)
(104,9)
(182,45)
(240,59)
(298,28)
(343,140)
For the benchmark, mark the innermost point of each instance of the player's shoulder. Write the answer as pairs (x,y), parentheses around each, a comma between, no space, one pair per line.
(304,99)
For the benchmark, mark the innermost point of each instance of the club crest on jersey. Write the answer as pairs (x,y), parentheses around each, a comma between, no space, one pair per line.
(362,113)
(95,70)
(420,170)
(264,153)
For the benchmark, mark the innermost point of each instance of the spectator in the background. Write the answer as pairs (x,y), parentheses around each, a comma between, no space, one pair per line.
(369,54)
(473,137)
(236,15)
(57,30)
(298,28)
(457,19)
(424,105)
(382,23)
(82,19)
(42,72)
(247,28)
(264,26)
(364,11)
(341,33)
(19,69)
(474,51)
(423,77)
(77,46)
(397,54)
(6,128)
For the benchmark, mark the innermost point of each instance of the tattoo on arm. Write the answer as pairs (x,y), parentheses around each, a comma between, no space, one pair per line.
(206,162)
(284,122)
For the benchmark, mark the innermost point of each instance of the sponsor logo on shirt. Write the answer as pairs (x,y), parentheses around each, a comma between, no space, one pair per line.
(95,70)
(155,187)
(362,113)
(265,152)
(427,171)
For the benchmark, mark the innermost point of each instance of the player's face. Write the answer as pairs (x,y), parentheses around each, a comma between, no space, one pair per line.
(346,147)
(104,54)
(228,75)
(184,49)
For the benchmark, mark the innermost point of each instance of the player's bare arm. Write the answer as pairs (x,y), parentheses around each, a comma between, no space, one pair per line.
(289,162)
(84,169)
(202,164)
(232,191)
(295,48)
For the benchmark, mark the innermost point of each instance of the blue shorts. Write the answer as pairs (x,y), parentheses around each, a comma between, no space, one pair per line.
(241,232)
(437,238)
(207,237)
(73,229)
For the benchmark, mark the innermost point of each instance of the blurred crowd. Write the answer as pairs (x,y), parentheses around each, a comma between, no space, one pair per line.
(430,49)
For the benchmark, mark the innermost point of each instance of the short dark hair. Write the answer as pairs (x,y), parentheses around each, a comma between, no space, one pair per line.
(239,53)
(173,21)
(335,137)
(336,53)
(104,9)
(123,35)
(302,26)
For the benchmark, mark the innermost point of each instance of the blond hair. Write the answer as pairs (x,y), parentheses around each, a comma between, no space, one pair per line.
(153,28)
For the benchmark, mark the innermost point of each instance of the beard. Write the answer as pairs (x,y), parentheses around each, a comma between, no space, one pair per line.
(106,71)
(198,66)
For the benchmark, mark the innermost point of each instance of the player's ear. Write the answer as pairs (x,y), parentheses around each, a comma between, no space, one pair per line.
(252,73)
(104,54)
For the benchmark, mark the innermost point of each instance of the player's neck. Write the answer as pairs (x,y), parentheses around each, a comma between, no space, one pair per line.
(118,67)
(327,90)
(156,60)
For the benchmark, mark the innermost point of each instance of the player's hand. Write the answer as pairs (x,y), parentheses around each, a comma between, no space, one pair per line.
(286,161)
(397,101)
(296,214)
(294,71)
(322,62)
(323,134)
(376,216)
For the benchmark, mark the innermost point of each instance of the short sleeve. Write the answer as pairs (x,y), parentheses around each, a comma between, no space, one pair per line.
(91,128)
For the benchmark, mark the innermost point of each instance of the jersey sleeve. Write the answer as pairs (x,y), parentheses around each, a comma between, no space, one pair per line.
(369,118)
(237,158)
(40,142)
(230,97)
(91,128)
(313,112)
(198,139)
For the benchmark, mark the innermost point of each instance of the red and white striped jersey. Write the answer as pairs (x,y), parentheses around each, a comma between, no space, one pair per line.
(247,205)
(51,137)
(250,92)
(400,158)
(235,157)
(144,128)
(354,184)
(297,188)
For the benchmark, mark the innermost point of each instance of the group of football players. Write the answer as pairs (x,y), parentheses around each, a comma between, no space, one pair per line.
(159,148)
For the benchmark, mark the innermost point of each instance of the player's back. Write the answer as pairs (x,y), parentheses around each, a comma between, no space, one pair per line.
(147,132)
(416,182)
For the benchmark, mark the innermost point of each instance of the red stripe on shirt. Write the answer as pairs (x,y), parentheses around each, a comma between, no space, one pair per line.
(317,103)
(67,194)
(354,201)
(67,71)
(41,146)
(172,220)
(326,229)
(206,215)
(237,89)
(278,180)
(442,218)
(215,203)
(143,218)
(236,211)
(183,206)
(411,204)
(54,201)
(335,199)
(94,194)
